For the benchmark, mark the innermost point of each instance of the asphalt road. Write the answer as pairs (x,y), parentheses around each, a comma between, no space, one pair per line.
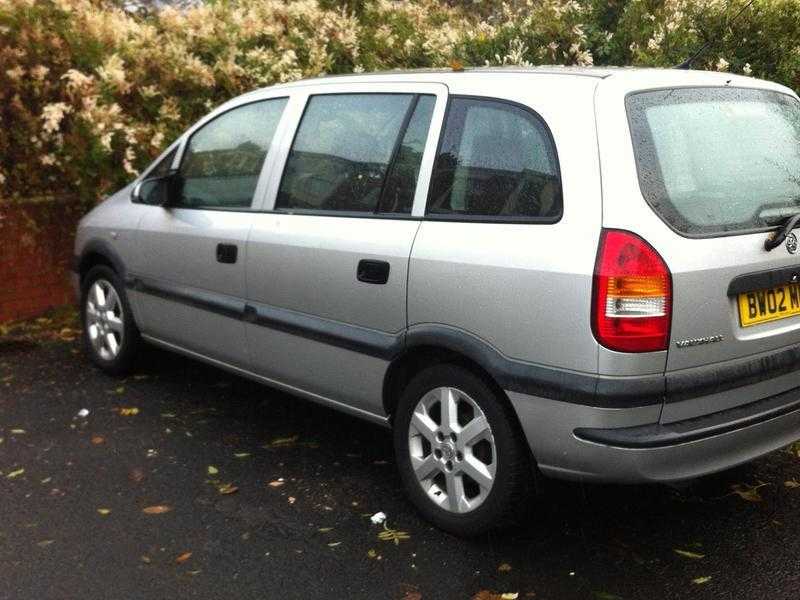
(72,524)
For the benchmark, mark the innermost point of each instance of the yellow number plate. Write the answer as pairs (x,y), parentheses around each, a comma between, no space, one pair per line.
(767,305)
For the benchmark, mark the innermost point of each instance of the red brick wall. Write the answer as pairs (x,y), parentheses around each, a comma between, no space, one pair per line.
(35,255)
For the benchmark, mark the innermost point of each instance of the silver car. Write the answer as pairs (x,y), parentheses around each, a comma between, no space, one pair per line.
(583,273)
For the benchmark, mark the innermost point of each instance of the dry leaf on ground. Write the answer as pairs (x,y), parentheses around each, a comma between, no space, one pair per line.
(183,557)
(158,509)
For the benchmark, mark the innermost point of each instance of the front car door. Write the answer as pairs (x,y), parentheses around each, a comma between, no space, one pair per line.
(327,258)
(189,274)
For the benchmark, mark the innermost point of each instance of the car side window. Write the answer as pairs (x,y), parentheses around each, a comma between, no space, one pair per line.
(223,159)
(343,149)
(496,160)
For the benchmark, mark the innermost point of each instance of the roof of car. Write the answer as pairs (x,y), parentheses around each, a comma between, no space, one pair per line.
(567,71)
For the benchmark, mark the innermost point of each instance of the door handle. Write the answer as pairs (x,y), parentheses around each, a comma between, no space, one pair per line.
(373,271)
(227,253)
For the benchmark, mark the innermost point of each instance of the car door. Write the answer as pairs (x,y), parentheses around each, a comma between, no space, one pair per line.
(189,276)
(327,259)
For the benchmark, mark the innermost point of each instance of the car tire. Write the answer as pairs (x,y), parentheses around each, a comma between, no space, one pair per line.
(430,469)
(110,336)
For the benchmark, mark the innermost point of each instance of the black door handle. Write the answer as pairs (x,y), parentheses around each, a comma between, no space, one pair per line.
(227,253)
(373,271)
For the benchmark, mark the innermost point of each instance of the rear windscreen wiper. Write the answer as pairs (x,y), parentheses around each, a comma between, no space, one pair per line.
(777,238)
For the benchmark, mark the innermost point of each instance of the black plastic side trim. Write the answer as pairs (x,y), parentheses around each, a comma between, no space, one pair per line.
(215,303)
(670,434)
(543,381)
(351,337)
(760,280)
(712,379)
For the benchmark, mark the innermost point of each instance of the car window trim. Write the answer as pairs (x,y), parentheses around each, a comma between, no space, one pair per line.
(491,218)
(201,126)
(392,164)
(401,133)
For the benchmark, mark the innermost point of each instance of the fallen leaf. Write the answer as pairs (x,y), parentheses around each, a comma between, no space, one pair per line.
(292,499)
(333,544)
(748,492)
(212,470)
(98,439)
(325,529)
(14,474)
(158,509)
(145,559)
(140,377)
(701,580)
(504,568)
(136,475)
(277,483)
(393,535)
(509,596)
(606,596)
(372,553)
(18,431)
(227,488)
(104,511)
(792,483)
(285,441)
(44,543)
(242,454)
(688,554)
(456,65)
(183,557)
(128,412)
(120,390)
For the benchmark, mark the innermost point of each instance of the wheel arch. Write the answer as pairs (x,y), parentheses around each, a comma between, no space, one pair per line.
(98,252)
(429,345)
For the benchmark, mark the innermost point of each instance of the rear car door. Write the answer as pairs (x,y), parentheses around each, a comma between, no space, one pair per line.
(717,166)
(327,258)
(189,276)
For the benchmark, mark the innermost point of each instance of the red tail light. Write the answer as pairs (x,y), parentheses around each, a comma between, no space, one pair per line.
(632,296)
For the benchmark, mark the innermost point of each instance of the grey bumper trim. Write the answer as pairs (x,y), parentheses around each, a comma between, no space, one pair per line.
(660,435)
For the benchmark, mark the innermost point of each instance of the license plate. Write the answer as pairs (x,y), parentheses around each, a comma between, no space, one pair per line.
(771,304)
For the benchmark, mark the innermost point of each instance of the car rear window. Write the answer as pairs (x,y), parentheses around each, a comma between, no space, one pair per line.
(713,161)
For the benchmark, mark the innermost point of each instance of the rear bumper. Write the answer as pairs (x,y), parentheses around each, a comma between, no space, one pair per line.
(613,448)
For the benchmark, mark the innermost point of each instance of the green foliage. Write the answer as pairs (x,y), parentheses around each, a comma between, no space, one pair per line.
(90,93)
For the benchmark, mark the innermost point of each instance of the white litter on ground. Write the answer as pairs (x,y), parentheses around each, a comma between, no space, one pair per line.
(378,518)
(83,413)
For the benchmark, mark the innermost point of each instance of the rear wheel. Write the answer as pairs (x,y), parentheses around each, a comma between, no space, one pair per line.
(461,458)
(110,336)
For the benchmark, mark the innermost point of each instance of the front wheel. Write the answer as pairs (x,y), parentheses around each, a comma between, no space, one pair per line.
(462,459)
(110,336)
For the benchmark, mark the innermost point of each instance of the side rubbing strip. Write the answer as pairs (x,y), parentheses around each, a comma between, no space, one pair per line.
(215,303)
(351,337)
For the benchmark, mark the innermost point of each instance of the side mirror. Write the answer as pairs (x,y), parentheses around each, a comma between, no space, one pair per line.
(155,191)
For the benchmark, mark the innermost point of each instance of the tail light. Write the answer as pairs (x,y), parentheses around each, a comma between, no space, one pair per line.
(632,296)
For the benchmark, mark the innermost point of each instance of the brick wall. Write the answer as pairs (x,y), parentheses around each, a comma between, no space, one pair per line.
(35,255)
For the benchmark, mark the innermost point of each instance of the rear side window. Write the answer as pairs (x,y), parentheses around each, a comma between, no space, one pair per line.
(356,153)
(713,161)
(223,159)
(496,161)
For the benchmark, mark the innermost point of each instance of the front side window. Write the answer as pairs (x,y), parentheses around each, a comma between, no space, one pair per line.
(717,160)
(223,159)
(343,149)
(496,161)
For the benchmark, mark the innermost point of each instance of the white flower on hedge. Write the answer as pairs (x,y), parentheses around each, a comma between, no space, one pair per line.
(2,179)
(16,73)
(39,72)
(130,156)
(722,64)
(76,80)
(48,160)
(157,140)
(112,72)
(747,70)
(53,114)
